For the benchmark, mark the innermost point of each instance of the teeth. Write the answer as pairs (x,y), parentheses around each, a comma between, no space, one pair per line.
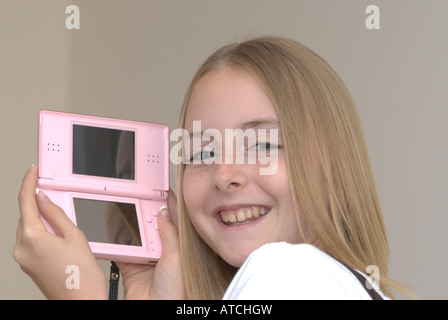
(256,212)
(240,216)
(245,215)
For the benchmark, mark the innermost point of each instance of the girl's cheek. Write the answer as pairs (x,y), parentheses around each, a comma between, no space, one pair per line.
(194,187)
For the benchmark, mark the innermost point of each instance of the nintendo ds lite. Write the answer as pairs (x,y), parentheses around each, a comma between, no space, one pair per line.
(110,176)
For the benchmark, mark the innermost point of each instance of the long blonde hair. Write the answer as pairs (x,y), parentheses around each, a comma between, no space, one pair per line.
(319,121)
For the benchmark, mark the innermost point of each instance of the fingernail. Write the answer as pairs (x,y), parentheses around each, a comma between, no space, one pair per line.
(164,213)
(30,167)
(43,196)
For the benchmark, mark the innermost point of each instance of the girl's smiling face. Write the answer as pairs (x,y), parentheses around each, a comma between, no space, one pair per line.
(233,208)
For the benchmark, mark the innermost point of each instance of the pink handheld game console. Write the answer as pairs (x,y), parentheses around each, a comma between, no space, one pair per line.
(110,176)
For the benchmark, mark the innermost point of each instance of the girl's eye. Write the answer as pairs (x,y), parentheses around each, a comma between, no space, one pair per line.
(266,147)
(203,154)
(263,146)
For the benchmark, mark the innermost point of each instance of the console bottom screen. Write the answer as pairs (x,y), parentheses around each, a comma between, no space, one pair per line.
(108,222)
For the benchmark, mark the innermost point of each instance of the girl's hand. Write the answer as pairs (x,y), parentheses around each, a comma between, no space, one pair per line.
(164,280)
(54,262)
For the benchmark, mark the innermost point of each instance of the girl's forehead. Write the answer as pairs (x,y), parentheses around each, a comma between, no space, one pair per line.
(227,99)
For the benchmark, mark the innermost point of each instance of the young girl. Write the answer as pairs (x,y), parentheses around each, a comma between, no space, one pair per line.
(309,230)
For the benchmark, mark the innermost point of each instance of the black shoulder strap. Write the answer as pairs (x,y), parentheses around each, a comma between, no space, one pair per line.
(372,292)
(114,281)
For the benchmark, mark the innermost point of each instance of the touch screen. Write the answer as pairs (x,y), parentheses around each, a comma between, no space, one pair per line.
(108,222)
(103,152)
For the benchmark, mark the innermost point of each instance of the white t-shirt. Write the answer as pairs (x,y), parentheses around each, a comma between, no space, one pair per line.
(294,271)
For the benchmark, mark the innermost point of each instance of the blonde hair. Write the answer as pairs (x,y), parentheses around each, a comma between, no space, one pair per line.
(319,121)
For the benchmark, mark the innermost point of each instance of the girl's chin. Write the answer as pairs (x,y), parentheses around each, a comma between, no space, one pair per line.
(236,258)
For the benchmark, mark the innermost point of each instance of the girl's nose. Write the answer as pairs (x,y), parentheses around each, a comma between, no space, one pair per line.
(230,177)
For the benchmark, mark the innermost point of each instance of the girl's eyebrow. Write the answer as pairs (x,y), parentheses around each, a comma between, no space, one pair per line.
(260,123)
(252,124)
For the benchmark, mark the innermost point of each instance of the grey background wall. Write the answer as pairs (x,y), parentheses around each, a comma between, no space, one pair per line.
(134,60)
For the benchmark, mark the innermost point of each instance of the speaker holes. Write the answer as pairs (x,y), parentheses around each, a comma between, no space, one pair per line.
(53,147)
(152,158)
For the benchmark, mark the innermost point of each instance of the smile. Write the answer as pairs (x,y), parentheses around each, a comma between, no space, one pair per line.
(243,215)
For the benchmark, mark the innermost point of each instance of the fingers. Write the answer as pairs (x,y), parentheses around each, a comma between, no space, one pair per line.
(55,216)
(19,231)
(32,206)
(168,233)
(169,268)
(29,213)
(168,225)
(172,207)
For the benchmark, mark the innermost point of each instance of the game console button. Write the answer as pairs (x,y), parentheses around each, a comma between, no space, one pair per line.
(155,213)
(148,219)
(156,226)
